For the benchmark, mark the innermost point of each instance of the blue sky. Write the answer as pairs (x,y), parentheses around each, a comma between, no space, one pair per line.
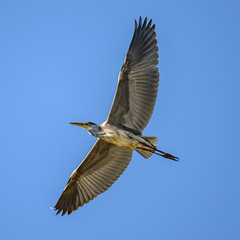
(60,62)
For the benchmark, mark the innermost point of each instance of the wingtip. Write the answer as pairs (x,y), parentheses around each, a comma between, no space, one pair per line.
(135,25)
(149,24)
(58,211)
(69,212)
(63,212)
(145,22)
(153,27)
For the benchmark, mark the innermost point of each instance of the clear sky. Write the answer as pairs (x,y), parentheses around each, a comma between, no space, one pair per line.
(59,63)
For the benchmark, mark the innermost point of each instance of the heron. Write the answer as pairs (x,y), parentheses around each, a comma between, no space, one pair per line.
(121,133)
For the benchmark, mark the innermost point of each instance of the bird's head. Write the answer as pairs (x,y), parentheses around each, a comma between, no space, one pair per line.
(85,125)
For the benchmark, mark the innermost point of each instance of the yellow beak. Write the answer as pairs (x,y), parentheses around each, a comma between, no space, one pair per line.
(83,125)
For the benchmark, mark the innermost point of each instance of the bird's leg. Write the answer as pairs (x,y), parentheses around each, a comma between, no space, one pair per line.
(167,155)
(162,154)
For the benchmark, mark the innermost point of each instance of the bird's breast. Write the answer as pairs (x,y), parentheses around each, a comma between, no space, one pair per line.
(121,138)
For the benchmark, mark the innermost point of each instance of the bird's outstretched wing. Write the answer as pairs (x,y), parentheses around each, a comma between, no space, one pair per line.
(138,80)
(99,170)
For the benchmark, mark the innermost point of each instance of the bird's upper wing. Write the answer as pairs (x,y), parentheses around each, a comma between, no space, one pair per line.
(99,170)
(138,80)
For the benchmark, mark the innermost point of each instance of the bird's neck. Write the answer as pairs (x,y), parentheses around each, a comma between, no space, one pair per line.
(96,131)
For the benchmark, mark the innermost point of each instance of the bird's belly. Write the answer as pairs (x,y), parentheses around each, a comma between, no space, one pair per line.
(122,140)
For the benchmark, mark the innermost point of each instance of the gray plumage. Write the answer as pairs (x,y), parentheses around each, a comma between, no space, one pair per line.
(121,133)
(138,80)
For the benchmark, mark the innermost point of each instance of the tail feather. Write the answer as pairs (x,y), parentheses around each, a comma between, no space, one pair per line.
(152,140)
(144,153)
(148,153)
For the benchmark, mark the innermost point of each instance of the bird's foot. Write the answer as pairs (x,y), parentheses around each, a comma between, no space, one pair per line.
(169,156)
(166,155)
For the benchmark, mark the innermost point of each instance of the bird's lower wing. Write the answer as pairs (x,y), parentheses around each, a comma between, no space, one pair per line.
(99,170)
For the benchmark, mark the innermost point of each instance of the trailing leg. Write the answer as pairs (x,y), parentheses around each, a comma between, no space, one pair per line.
(144,150)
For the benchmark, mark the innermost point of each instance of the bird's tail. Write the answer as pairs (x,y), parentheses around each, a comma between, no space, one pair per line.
(147,151)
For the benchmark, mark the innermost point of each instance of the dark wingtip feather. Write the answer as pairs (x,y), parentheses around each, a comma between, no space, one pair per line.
(59,210)
(70,211)
(153,27)
(145,22)
(140,21)
(64,211)
(149,24)
(135,25)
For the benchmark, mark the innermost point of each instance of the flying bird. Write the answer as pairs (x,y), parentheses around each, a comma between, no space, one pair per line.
(120,134)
